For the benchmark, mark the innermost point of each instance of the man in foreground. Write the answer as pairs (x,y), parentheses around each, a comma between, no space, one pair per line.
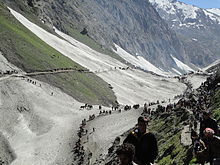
(146,149)
(208,122)
(213,145)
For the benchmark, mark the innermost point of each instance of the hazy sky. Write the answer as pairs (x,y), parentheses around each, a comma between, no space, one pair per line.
(204,3)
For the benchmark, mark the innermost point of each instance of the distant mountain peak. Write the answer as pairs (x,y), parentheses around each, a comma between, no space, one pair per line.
(214,10)
(185,15)
(196,27)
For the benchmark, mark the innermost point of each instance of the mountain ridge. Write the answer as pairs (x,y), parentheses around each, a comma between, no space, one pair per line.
(197,28)
(139,30)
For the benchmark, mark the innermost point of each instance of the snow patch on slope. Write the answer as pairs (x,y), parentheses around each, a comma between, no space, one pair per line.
(194,39)
(71,48)
(188,11)
(130,86)
(185,15)
(181,65)
(214,10)
(212,16)
(164,4)
(138,61)
(176,71)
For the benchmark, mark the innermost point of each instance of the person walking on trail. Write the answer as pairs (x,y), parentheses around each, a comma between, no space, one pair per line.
(208,122)
(213,145)
(199,148)
(125,154)
(146,149)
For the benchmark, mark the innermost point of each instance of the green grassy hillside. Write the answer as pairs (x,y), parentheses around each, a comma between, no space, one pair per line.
(25,50)
(168,131)
(32,12)
(216,105)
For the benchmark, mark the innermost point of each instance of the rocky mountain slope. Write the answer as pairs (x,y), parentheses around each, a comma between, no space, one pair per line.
(214,11)
(139,30)
(26,51)
(42,121)
(197,28)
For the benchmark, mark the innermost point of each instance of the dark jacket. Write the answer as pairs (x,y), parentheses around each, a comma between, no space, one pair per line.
(146,149)
(209,123)
(214,147)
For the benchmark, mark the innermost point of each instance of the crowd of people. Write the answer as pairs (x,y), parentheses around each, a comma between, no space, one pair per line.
(206,144)
(105,112)
(140,146)
(78,149)
(86,106)
(33,82)
(22,109)
(8,72)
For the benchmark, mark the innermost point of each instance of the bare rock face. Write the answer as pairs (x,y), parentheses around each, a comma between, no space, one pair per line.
(134,25)
(137,27)
(186,32)
(197,28)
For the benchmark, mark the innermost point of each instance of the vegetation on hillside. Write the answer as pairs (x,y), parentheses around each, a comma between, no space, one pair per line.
(25,50)
(30,11)
(215,102)
(168,129)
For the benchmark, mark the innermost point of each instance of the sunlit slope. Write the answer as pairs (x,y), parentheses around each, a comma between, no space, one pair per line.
(25,50)
(130,85)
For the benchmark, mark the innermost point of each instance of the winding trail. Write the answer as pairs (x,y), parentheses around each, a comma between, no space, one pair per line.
(56,71)
(47,130)
(107,128)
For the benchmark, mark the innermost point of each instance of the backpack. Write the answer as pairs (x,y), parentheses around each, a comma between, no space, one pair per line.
(201,152)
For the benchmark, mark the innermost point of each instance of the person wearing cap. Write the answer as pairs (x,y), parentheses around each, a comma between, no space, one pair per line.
(125,153)
(146,149)
(213,145)
(208,122)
